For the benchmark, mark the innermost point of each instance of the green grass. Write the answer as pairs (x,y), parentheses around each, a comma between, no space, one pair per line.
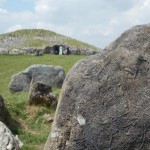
(32,129)
(29,33)
(39,37)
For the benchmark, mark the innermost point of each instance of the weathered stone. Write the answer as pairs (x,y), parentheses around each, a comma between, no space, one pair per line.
(16,52)
(105,100)
(48,74)
(3,116)
(40,94)
(33,51)
(7,140)
(4,51)
(136,38)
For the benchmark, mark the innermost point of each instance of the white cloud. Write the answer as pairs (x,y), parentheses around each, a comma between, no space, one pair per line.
(97,21)
(3,11)
(15,27)
(44,6)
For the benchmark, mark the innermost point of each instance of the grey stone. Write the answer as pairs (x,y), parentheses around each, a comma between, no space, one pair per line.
(4,51)
(137,38)
(41,94)
(32,51)
(105,100)
(3,116)
(48,74)
(7,140)
(16,52)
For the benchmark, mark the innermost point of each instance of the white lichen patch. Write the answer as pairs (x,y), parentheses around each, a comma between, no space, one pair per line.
(55,134)
(81,120)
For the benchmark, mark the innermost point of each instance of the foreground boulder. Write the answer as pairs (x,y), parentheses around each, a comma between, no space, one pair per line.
(105,103)
(3,115)
(41,94)
(136,38)
(48,74)
(7,140)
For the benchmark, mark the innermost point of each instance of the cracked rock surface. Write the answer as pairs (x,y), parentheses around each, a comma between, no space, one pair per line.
(7,140)
(105,99)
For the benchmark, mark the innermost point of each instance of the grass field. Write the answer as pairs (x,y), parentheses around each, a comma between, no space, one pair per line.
(28,121)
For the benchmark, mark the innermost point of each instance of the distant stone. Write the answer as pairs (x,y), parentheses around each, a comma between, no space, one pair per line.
(4,51)
(48,50)
(105,99)
(41,94)
(7,140)
(33,51)
(47,74)
(16,52)
(81,51)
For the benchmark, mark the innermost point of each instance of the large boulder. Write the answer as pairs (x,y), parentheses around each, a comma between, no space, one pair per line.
(41,94)
(7,140)
(48,74)
(136,38)
(105,102)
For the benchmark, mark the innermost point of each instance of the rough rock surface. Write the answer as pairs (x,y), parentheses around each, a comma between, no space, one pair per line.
(48,74)
(7,140)
(4,51)
(41,94)
(16,52)
(3,116)
(105,102)
(136,38)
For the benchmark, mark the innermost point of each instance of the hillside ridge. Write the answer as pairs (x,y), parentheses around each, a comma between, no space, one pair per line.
(39,38)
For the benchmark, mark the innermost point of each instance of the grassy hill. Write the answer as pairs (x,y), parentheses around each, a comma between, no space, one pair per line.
(39,38)
(32,128)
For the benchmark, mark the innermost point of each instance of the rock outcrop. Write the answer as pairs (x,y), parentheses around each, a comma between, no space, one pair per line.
(48,74)
(7,140)
(105,99)
(41,94)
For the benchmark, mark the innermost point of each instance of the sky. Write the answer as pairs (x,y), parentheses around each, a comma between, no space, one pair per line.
(97,22)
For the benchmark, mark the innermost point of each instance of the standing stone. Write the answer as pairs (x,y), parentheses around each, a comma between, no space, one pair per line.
(41,94)
(48,74)
(105,100)
(3,116)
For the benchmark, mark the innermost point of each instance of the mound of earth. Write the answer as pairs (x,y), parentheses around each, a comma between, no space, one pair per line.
(105,99)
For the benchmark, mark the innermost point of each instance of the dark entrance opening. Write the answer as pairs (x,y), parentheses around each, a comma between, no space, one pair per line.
(56,49)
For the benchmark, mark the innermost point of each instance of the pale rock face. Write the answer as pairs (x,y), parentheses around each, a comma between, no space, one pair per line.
(7,140)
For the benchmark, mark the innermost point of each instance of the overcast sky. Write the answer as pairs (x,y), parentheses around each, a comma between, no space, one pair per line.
(97,22)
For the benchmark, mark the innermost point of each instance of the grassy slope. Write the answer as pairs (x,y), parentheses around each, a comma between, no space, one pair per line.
(39,38)
(32,129)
